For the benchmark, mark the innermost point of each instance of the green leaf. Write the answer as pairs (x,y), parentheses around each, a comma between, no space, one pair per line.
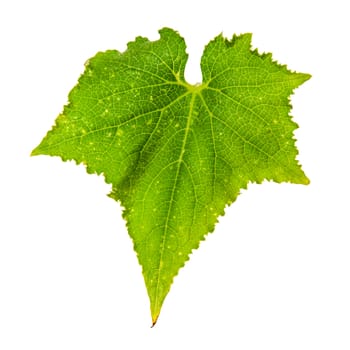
(176,154)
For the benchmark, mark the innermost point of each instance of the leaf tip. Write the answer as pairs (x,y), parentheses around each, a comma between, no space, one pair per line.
(35,152)
(304,77)
(306,181)
(154,320)
(302,179)
(307,76)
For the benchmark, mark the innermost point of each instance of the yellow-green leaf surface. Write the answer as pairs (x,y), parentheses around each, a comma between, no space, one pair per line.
(176,154)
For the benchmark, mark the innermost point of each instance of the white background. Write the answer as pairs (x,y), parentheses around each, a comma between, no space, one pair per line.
(276,272)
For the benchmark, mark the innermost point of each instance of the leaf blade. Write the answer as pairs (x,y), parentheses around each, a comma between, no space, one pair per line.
(176,154)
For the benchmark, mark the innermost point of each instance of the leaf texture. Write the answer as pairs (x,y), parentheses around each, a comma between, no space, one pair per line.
(176,154)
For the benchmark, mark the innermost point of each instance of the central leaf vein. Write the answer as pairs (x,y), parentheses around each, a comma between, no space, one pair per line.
(172,195)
